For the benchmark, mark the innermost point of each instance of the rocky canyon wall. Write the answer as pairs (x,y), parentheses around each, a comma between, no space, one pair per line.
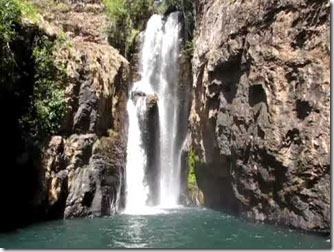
(80,171)
(260,117)
(84,169)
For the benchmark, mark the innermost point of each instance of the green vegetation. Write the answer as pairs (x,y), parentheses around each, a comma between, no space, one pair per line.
(48,101)
(9,18)
(192,159)
(27,10)
(118,15)
(51,6)
(115,8)
(188,48)
(127,19)
(29,72)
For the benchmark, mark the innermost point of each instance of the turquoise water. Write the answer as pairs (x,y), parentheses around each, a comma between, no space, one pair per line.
(175,228)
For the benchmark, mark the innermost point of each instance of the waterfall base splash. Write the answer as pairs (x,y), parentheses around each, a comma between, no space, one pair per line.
(145,211)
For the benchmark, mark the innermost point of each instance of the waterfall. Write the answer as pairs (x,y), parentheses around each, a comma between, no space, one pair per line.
(136,158)
(159,77)
(168,107)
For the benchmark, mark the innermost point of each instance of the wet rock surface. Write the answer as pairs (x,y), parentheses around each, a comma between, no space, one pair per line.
(148,119)
(151,137)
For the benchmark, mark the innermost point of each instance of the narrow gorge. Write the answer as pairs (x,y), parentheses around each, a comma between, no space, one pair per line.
(185,124)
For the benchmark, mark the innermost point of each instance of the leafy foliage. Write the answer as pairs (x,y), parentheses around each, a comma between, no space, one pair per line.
(127,19)
(188,48)
(27,10)
(11,13)
(9,18)
(29,72)
(192,159)
(115,8)
(120,22)
(48,102)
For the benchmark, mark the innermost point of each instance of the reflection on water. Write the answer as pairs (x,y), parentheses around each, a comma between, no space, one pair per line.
(130,233)
(135,232)
(177,228)
(145,211)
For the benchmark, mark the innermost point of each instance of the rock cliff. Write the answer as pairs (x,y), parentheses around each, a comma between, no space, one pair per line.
(259,128)
(84,168)
(79,171)
(260,117)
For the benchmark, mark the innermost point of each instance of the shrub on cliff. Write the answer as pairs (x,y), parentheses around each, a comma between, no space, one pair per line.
(48,103)
(127,18)
(192,159)
(9,18)
(29,73)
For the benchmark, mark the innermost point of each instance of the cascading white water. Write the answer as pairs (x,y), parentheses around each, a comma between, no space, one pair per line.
(136,159)
(159,76)
(168,108)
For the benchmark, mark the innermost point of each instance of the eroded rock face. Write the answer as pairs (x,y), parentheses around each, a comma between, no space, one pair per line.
(261,111)
(84,167)
(189,194)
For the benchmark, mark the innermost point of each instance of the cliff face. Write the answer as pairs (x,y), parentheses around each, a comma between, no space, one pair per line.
(80,171)
(84,168)
(260,117)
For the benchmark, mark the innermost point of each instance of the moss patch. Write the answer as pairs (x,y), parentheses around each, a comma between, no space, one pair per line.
(193,158)
(195,195)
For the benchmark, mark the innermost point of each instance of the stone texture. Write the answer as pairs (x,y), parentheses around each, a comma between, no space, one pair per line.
(84,167)
(188,193)
(261,111)
(83,19)
(79,172)
(135,57)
